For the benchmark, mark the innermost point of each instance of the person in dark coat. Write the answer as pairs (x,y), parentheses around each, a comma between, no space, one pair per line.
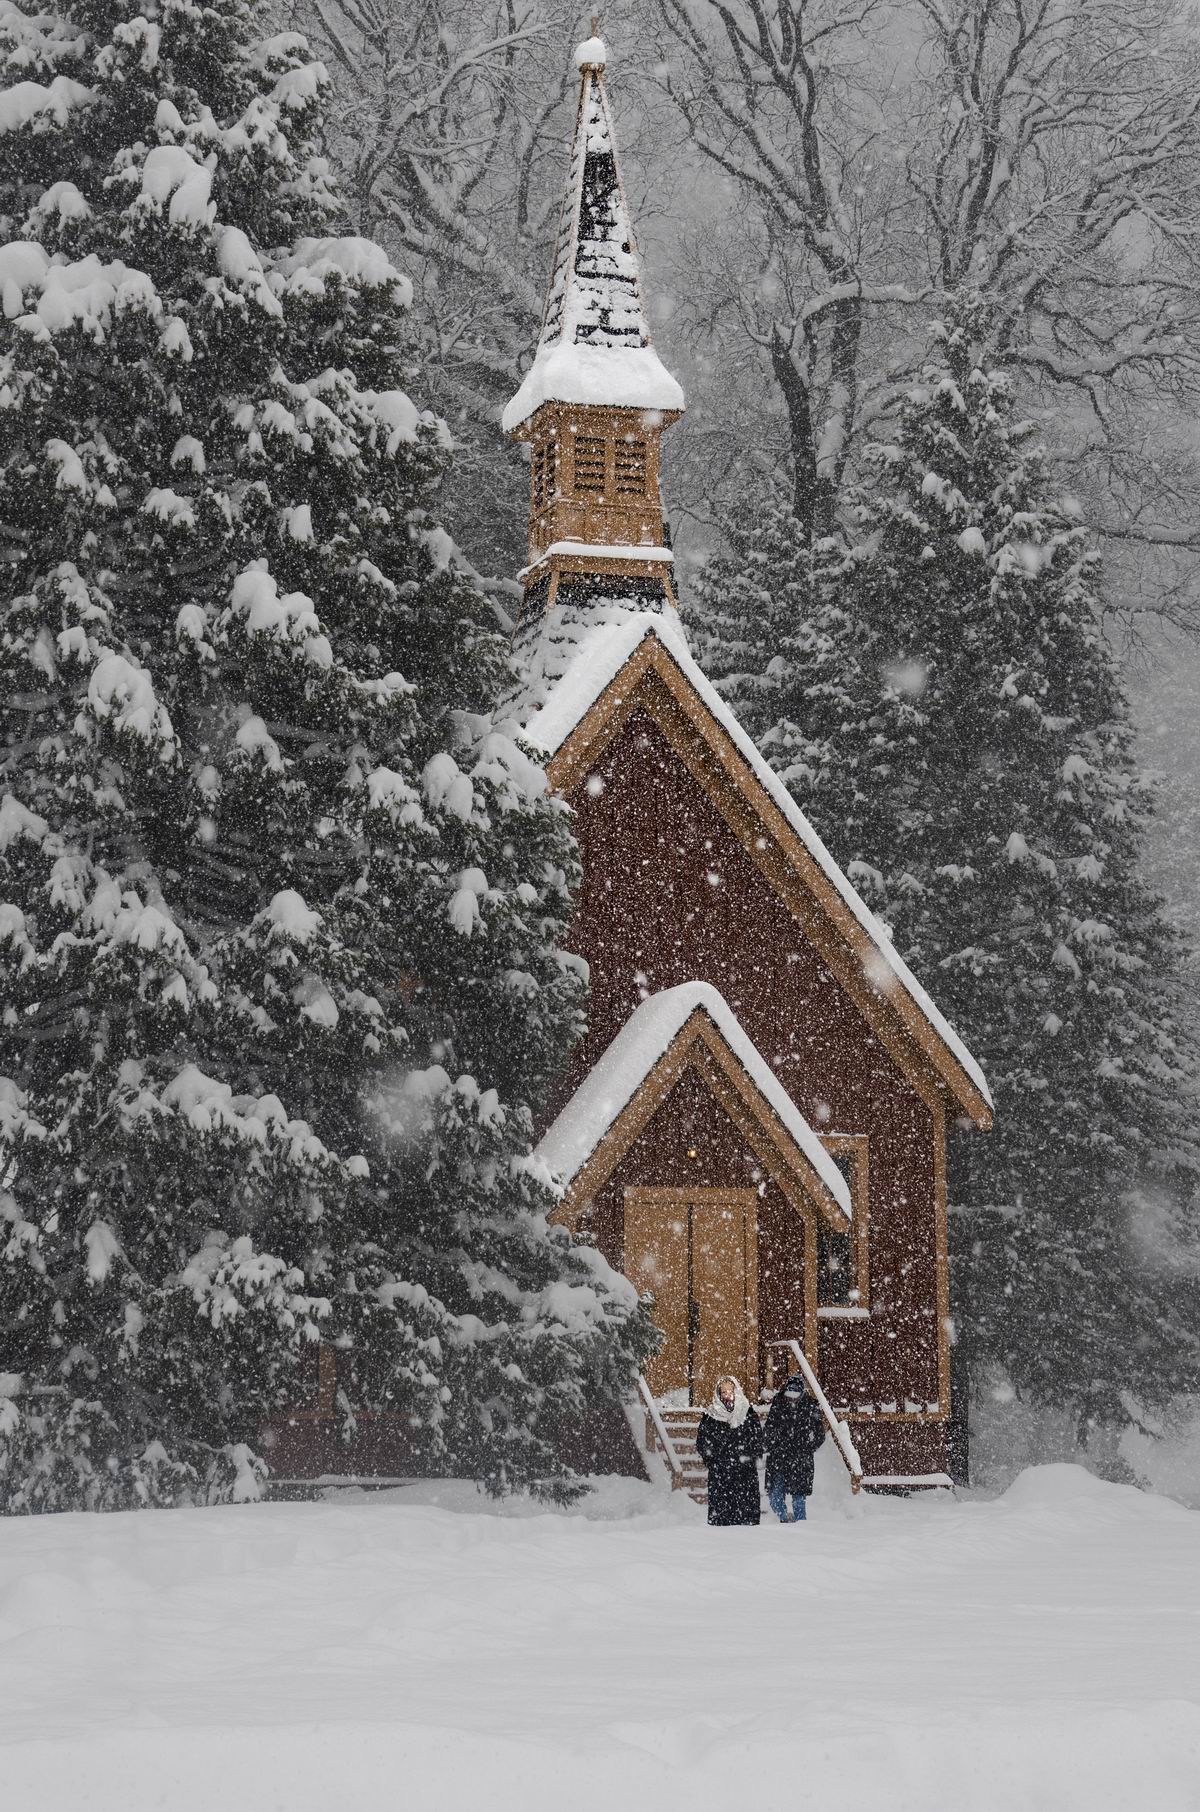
(795,1429)
(730,1442)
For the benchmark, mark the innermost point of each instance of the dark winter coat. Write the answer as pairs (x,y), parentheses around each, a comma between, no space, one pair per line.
(795,1429)
(731,1455)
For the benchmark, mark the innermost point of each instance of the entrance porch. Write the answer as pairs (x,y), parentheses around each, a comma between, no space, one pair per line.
(685,1160)
(670,1428)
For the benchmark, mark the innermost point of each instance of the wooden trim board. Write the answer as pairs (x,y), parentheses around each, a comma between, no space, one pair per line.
(652,682)
(699,1046)
(857,1147)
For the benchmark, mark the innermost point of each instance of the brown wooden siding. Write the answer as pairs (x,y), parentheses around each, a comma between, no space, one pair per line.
(670,895)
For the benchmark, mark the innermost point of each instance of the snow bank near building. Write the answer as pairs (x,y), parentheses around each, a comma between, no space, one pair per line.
(1009,1436)
(1037,1651)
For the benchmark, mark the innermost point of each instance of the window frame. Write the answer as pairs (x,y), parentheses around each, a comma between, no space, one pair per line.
(857,1148)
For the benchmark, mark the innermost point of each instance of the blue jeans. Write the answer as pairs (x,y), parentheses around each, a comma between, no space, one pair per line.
(778,1496)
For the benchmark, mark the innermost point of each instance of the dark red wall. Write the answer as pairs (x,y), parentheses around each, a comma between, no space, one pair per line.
(669,896)
(649,917)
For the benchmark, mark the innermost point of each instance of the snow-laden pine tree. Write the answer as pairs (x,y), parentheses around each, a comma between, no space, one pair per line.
(943,702)
(281,893)
(768,626)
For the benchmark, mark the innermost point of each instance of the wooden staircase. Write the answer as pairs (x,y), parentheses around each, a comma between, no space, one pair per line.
(678,1426)
(692,1474)
(671,1432)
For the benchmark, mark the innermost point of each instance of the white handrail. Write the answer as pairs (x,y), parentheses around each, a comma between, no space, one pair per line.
(837,1428)
(660,1428)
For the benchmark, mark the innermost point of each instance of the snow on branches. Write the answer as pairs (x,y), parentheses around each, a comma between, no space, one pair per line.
(237,652)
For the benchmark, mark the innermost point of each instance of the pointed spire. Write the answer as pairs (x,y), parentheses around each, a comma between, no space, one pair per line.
(594,346)
(596,399)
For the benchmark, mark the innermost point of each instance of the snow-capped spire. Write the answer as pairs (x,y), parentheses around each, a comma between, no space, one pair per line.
(594,345)
(596,399)
(591,54)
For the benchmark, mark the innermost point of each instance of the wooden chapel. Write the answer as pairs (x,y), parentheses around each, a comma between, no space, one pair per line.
(754,1127)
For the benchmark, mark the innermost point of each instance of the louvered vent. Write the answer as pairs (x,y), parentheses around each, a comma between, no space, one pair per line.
(631,468)
(543,474)
(589,466)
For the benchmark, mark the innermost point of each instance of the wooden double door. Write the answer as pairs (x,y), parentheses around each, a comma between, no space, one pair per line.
(696,1252)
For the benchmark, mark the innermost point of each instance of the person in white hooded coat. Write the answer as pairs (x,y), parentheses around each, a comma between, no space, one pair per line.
(730,1442)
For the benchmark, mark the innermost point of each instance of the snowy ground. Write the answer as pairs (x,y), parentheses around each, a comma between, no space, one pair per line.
(1040,1651)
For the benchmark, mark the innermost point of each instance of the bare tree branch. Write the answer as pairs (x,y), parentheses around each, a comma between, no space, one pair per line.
(1043,152)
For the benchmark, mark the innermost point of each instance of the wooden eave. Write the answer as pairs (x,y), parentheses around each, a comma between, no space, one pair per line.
(700,1047)
(630,563)
(598,418)
(651,681)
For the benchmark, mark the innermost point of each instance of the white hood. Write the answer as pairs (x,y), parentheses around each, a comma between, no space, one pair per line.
(735,1416)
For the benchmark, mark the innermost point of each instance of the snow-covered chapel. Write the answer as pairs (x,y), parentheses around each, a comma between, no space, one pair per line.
(754,1128)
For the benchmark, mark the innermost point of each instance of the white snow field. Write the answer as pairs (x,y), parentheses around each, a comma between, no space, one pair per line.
(416,1650)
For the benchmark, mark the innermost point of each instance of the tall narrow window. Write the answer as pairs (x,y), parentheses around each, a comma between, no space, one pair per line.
(589,466)
(843,1266)
(835,1271)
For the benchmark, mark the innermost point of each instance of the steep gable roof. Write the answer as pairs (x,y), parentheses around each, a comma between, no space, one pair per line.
(586,678)
(691,1026)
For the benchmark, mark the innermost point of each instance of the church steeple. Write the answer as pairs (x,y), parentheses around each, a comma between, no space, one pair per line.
(596,398)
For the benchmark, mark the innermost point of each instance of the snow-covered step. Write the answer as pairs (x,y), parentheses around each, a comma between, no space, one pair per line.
(680,1423)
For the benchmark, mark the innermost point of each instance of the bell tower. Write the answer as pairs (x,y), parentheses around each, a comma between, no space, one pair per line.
(594,403)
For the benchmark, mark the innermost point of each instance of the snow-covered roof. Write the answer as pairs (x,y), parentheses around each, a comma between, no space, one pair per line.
(601,550)
(595,341)
(580,660)
(636,1051)
(564,371)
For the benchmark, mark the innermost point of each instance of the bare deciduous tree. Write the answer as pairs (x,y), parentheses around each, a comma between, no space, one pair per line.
(880,155)
(455,120)
(825,172)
